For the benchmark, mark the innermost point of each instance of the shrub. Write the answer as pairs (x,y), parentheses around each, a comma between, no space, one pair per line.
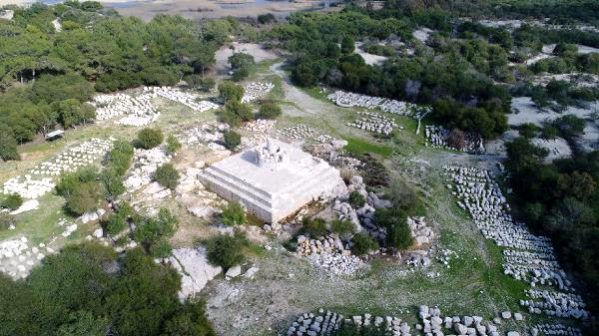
(347,45)
(149,138)
(315,227)
(269,110)
(266,18)
(356,199)
(12,202)
(233,214)
(229,91)
(119,158)
(549,132)
(343,228)
(112,183)
(204,84)
(232,140)
(84,198)
(395,221)
(6,220)
(172,144)
(114,224)
(8,144)
(151,231)
(167,176)
(225,251)
(363,243)
(240,74)
(234,113)
(529,130)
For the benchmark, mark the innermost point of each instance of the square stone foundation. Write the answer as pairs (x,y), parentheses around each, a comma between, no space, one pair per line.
(273,180)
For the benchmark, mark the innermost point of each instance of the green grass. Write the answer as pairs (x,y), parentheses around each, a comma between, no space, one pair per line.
(360,146)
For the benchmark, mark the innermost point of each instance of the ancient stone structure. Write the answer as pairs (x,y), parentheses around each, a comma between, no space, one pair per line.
(273,180)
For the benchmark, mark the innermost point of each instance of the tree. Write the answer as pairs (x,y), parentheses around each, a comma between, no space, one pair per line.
(12,202)
(529,130)
(241,60)
(348,45)
(84,323)
(232,140)
(269,110)
(112,184)
(8,144)
(235,112)
(167,176)
(189,320)
(152,233)
(149,138)
(119,158)
(303,75)
(230,92)
(71,112)
(84,198)
(225,251)
(362,243)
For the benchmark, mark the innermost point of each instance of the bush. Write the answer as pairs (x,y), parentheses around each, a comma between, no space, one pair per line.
(356,199)
(232,140)
(149,138)
(8,144)
(84,198)
(266,18)
(269,110)
(363,243)
(6,221)
(114,224)
(395,221)
(112,183)
(172,144)
(152,231)
(240,74)
(549,132)
(529,130)
(233,214)
(167,176)
(119,158)
(12,202)
(225,251)
(315,227)
(342,227)
(204,84)
(235,112)
(347,45)
(229,91)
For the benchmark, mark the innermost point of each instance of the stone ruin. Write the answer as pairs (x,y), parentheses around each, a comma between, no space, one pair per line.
(139,110)
(350,99)
(527,257)
(206,133)
(41,179)
(324,323)
(273,180)
(329,253)
(437,137)
(256,90)
(195,271)
(299,132)
(374,122)
(433,323)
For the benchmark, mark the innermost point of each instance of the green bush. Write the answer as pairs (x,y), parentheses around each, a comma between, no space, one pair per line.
(112,184)
(12,202)
(235,112)
(226,251)
(395,221)
(314,227)
(172,144)
(229,91)
(529,130)
(167,176)
(204,84)
(8,144)
(363,243)
(120,156)
(150,232)
(240,74)
(233,214)
(149,138)
(6,220)
(356,199)
(343,228)
(84,198)
(266,18)
(269,110)
(232,140)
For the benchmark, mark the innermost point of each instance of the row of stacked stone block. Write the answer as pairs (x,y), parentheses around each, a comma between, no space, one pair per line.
(437,137)
(528,257)
(41,179)
(256,90)
(374,122)
(324,323)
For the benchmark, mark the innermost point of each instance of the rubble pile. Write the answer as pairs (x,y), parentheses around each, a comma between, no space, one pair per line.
(134,110)
(299,132)
(437,137)
(328,253)
(145,163)
(421,232)
(183,97)
(204,134)
(256,90)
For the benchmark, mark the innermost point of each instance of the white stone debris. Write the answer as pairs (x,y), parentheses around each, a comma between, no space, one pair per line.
(433,323)
(324,323)
(273,180)
(186,98)
(299,132)
(374,122)
(444,256)
(350,99)
(527,257)
(41,179)
(195,271)
(145,163)
(437,137)
(28,205)
(421,232)
(329,254)
(256,90)
(191,194)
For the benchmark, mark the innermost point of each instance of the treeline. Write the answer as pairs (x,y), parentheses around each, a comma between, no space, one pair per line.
(561,200)
(461,72)
(47,74)
(559,11)
(90,290)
